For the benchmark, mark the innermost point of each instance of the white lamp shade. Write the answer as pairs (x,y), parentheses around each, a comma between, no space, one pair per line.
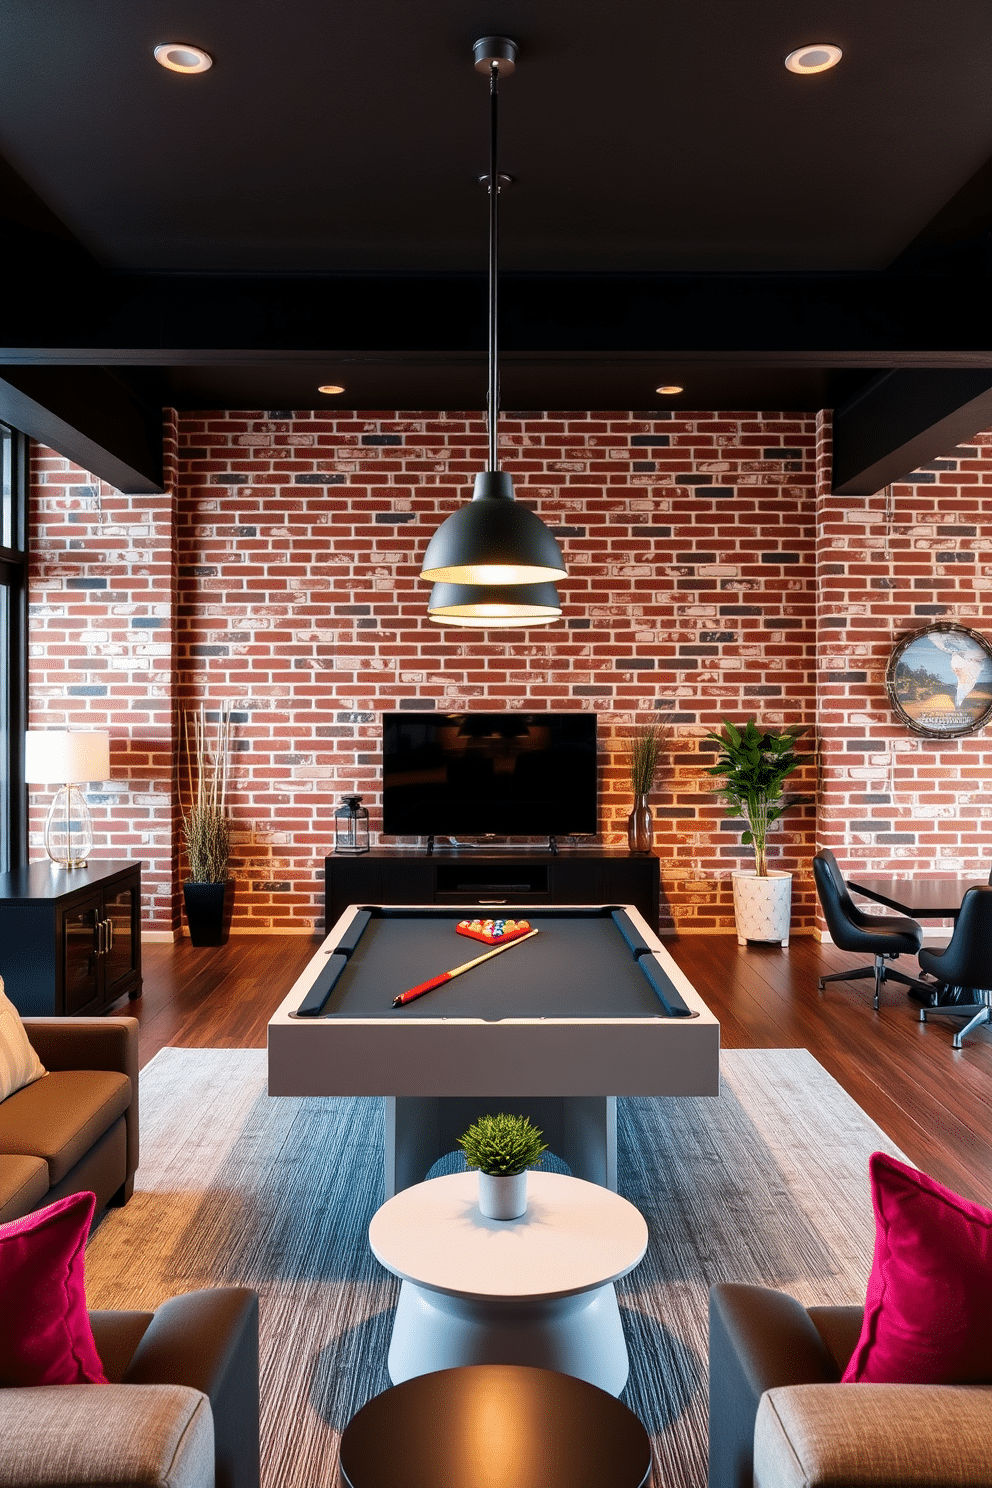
(52,757)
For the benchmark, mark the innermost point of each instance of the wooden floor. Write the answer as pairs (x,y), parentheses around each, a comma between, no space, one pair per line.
(933,1101)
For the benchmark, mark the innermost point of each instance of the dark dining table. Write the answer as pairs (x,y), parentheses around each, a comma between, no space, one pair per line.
(922,897)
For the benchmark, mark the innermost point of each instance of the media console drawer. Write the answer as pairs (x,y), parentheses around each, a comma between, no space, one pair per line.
(490,878)
(487,878)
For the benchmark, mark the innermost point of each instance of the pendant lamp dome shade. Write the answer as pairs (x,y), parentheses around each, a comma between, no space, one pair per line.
(492,539)
(494,606)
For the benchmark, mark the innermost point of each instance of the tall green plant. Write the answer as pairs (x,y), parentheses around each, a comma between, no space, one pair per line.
(206,827)
(753,766)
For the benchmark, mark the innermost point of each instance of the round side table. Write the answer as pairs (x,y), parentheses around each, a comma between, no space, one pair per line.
(536,1290)
(495,1424)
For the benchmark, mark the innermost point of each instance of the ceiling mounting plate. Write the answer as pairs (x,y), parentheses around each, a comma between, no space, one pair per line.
(498,49)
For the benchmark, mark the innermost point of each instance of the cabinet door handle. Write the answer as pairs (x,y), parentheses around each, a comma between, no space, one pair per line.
(98,935)
(110,935)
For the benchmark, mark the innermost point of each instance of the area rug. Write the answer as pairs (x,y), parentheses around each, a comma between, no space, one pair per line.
(765,1184)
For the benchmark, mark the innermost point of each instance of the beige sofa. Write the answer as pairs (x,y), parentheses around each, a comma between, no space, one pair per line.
(77,1128)
(779,1418)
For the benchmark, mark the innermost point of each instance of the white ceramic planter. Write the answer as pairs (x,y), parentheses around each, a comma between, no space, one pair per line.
(762,906)
(501,1197)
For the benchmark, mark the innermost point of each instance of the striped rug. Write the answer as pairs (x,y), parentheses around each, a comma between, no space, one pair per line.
(766,1184)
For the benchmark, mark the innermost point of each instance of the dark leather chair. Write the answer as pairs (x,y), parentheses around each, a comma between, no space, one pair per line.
(882,936)
(966,961)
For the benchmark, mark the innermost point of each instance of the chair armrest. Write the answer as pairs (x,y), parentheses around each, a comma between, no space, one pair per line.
(209,1340)
(85,1043)
(809,1436)
(759,1339)
(93,1043)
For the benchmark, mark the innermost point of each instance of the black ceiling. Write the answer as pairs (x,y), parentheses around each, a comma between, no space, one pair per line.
(683,210)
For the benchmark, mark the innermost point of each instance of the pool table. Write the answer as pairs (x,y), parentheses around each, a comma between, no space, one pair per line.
(556,1027)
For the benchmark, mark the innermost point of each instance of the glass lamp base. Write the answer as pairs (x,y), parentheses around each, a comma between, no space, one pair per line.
(69,828)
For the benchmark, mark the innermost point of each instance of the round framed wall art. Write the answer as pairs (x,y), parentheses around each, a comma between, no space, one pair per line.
(939,680)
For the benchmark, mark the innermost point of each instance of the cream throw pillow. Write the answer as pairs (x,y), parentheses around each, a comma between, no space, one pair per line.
(19,1064)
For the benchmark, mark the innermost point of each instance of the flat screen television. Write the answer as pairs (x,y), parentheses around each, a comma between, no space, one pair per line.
(488,774)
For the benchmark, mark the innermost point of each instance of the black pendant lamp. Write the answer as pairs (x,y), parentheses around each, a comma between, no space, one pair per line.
(492,540)
(494,606)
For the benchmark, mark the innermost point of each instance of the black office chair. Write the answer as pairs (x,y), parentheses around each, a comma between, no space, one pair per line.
(882,936)
(966,961)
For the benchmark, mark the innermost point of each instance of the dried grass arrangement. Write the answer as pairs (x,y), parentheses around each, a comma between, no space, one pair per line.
(206,826)
(643,750)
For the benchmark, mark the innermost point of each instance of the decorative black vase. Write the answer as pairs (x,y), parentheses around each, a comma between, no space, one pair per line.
(209,907)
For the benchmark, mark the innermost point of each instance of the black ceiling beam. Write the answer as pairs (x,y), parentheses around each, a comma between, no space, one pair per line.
(92,416)
(903,419)
(873,320)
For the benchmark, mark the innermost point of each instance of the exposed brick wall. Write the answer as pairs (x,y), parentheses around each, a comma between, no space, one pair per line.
(691,546)
(917,552)
(102,586)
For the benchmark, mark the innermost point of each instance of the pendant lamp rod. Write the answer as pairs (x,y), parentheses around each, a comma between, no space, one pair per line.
(493,263)
(493,540)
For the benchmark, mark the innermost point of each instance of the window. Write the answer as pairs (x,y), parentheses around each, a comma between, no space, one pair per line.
(13,647)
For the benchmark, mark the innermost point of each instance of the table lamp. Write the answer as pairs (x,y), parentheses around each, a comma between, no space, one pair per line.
(67,759)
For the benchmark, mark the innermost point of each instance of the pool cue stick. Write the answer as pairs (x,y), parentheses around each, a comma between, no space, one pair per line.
(446,976)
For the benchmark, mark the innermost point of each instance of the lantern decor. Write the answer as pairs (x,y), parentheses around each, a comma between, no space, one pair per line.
(351,827)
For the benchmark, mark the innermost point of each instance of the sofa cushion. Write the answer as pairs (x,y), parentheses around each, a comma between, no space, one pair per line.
(872,1436)
(123,1436)
(46,1338)
(928,1308)
(62,1116)
(19,1064)
(23,1184)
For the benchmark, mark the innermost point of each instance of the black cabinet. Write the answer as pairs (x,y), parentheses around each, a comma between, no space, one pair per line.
(490,879)
(70,938)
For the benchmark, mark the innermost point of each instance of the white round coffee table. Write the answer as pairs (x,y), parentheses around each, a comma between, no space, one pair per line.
(536,1290)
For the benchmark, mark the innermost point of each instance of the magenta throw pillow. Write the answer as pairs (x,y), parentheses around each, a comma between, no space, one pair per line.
(45,1337)
(928,1308)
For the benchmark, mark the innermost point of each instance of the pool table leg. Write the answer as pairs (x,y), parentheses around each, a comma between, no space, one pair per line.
(412,1140)
(589,1144)
(418,1129)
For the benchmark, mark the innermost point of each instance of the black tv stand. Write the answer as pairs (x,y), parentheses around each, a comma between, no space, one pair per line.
(490,847)
(492,877)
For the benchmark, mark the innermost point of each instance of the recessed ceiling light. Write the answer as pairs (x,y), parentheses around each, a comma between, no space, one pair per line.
(179,56)
(330,387)
(819,57)
(669,389)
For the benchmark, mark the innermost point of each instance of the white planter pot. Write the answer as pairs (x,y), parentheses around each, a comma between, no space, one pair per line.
(501,1197)
(762,906)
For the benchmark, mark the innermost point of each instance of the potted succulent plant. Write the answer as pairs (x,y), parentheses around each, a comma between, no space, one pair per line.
(753,765)
(502,1147)
(208,891)
(642,752)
